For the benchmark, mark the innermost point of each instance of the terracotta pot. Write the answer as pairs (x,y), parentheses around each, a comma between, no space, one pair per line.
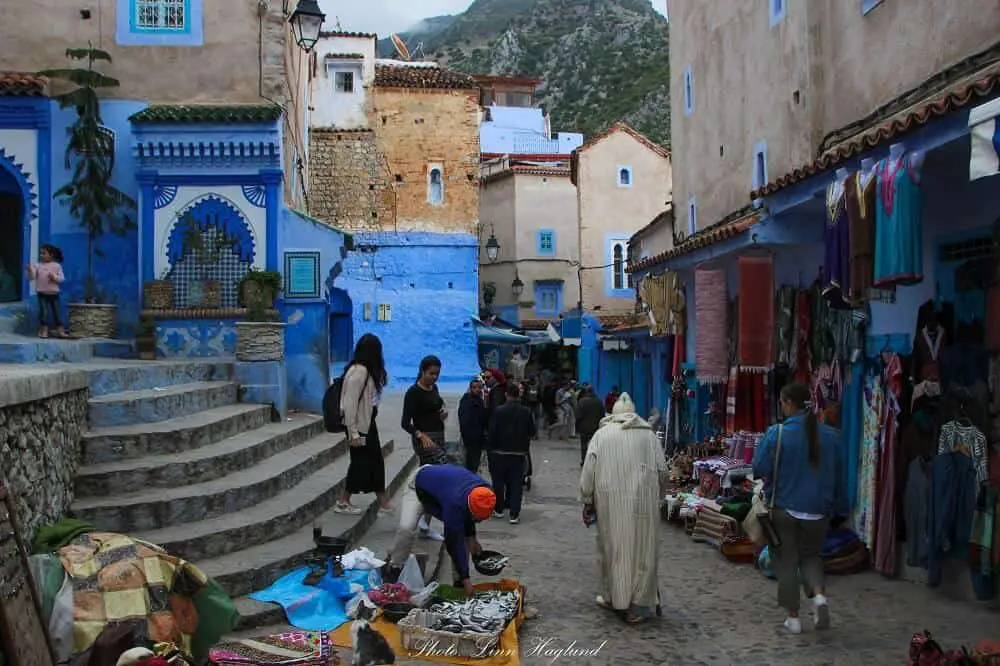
(93,321)
(260,341)
(158,294)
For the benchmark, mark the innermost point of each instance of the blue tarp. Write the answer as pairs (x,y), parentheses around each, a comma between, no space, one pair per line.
(320,607)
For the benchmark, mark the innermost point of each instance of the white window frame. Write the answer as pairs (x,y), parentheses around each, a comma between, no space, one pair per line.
(337,74)
(619,272)
(777,10)
(161,9)
(431,168)
(688,91)
(692,208)
(623,168)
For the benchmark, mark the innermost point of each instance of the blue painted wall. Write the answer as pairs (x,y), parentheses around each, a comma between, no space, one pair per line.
(430,280)
(307,334)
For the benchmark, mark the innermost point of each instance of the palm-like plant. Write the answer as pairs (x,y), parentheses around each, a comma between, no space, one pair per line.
(90,153)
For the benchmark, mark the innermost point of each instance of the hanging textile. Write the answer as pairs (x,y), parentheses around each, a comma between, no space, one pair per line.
(710,346)
(864,508)
(851,421)
(752,408)
(785,324)
(801,361)
(899,229)
(860,194)
(656,291)
(886,543)
(837,246)
(756,313)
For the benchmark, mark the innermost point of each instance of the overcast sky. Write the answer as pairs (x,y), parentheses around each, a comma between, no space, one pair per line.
(385,16)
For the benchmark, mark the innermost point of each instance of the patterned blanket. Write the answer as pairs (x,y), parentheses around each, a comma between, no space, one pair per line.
(120,580)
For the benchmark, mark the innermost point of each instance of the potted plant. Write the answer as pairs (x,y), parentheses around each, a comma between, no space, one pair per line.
(99,206)
(207,243)
(261,337)
(145,338)
(158,294)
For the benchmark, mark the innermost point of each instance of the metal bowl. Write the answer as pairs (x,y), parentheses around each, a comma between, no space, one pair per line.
(480,563)
(331,545)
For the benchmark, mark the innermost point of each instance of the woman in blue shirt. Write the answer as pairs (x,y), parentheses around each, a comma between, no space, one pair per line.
(807,491)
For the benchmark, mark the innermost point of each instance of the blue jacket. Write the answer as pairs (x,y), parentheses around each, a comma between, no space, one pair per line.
(801,487)
(444,492)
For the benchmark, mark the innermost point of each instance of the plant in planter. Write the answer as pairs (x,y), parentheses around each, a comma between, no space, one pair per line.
(99,206)
(207,244)
(261,337)
(158,294)
(145,338)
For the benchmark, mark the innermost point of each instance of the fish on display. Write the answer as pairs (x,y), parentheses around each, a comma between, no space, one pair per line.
(486,613)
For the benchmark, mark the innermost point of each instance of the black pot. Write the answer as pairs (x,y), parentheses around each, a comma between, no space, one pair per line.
(479,564)
(396,612)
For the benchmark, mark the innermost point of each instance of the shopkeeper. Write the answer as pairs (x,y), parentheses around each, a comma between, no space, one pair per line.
(456,497)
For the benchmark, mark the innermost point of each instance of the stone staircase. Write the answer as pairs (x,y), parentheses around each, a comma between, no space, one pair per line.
(173,457)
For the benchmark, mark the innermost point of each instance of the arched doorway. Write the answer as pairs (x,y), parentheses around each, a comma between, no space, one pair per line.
(13,231)
(341,329)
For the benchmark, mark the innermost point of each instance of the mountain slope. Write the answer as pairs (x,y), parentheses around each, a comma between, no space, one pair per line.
(601,60)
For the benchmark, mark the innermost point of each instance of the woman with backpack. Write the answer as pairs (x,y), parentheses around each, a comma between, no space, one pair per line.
(361,390)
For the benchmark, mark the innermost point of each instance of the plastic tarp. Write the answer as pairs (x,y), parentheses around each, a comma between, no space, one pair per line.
(320,607)
(498,336)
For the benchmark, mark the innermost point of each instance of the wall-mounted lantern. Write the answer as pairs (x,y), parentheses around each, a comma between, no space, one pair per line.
(492,248)
(517,287)
(307,21)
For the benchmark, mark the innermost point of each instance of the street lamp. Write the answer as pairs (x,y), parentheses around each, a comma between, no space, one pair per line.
(517,287)
(492,248)
(307,20)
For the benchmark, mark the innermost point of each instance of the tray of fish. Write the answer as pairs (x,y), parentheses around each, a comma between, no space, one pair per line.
(486,612)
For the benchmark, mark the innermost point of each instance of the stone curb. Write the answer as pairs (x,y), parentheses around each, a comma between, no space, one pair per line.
(180,400)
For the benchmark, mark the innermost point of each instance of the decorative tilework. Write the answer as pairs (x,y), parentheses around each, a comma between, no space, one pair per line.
(256,195)
(195,338)
(163,195)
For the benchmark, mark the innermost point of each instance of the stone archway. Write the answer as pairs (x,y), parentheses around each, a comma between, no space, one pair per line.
(17,211)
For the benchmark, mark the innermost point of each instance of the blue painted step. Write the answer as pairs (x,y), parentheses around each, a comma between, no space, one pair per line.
(138,375)
(24,349)
(155,405)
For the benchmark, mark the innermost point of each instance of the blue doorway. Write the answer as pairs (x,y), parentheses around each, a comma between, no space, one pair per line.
(341,330)
(13,249)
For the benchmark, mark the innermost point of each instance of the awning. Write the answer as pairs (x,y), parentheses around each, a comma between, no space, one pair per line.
(567,331)
(984,133)
(498,336)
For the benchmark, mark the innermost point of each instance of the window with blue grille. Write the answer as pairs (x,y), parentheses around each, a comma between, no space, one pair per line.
(548,299)
(159,22)
(546,242)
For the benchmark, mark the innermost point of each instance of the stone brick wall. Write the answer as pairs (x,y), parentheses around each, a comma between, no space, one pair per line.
(349,180)
(39,455)
(416,128)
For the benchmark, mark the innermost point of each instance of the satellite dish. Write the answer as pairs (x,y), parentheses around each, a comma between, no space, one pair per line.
(400,45)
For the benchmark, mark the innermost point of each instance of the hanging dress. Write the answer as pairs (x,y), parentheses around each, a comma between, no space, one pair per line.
(871,438)
(899,229)
(861,204)
(837,246)
(886,544)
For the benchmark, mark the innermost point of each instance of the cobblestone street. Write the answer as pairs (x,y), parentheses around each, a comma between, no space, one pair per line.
(715,612)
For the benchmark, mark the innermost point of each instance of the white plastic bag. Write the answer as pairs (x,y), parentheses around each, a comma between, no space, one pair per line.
(362,558)
(423,596)
(411,576)
(356,603)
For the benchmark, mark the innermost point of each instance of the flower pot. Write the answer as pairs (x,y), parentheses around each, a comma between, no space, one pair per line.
(260,341)
(158,294)
(204,294)
(88,320)
(252,292)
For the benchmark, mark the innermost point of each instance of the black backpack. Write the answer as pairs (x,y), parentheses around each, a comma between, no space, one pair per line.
(333,415)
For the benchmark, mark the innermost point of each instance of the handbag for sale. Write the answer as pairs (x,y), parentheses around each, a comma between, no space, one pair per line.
(758,525)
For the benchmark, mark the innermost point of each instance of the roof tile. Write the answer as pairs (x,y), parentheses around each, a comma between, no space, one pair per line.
(15,84)
(732,225)
(403,76)
(624,127)
(207,114)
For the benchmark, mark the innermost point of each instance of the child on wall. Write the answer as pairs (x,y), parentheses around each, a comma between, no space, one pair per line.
(48,276)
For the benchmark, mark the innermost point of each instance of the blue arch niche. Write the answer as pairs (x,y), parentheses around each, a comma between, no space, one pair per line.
(208,213)
(19,184)
(341,311)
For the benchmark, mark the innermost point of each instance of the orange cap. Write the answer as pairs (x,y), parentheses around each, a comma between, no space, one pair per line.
(482,501)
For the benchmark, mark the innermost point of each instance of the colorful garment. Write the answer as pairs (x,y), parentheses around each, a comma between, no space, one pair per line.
(871,436)
(294,648)
(899,229)
(888,473)
(837,245)
(861,204)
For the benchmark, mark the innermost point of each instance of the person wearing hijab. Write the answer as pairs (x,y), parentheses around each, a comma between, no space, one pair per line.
(456,497)
(623,480)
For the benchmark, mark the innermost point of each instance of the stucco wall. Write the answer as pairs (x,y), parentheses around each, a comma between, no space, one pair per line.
(349,180)
(498,215)
(416,129)
(339,109)
(609,212)
(42,416)
(295,138)
(226,68)
(821,67)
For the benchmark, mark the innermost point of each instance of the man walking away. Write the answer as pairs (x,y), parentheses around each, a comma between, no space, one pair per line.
(589,413)
(509,443)
(549,405)
(622,482)
(611,399)
(472,418)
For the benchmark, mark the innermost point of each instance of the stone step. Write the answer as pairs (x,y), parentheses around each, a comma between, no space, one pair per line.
(154,405)
(26,349)
(107,378)
(184,433)
(171,470)
(255,568)
(378,538)
(140,511)
(272,518)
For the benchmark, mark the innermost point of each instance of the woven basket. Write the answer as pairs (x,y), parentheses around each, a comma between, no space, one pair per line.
(417,637)
(158,294)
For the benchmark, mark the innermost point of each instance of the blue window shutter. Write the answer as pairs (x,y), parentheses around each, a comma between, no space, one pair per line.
(776,11)
(545,240)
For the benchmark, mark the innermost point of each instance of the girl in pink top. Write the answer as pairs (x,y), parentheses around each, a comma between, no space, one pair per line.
(47,277)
